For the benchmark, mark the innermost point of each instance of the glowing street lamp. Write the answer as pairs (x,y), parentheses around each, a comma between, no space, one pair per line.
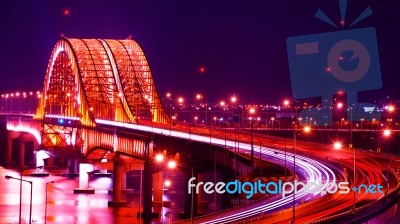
(307,129)
(339,105)
(172,165)
(286,103)
(167,183)
(361,121)
(272,122)
(180,100)
(198,96)
(233,99)
(337,145)
(159,158)
(252,112)
(386,134)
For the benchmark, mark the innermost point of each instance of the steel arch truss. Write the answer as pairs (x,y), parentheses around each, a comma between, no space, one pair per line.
(89,79)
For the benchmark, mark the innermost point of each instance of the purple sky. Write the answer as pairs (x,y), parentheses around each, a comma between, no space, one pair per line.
(241,44)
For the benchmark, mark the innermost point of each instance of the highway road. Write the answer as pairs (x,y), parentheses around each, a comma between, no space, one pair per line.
(313,162)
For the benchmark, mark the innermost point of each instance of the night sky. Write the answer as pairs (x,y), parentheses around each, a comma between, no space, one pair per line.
(241,44)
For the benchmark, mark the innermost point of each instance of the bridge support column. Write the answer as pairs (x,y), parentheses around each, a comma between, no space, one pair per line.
(84,168)
(50,162)
(158,185)
(21,152)
(72,168)
(117,183)
(9,151)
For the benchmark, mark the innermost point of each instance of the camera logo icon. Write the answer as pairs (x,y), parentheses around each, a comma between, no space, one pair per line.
(327,63)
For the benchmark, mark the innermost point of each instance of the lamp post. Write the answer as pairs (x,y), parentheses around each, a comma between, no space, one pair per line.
(386,134)
(272,122)
(45,204)
(168,95)
(285,104)
(237,133)
(166,183)
(222,104)
(30,205)
(252,112)
(294,161)
(172,165)
(361,122)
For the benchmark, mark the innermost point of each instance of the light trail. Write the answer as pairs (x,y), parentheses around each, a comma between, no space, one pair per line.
(313,170)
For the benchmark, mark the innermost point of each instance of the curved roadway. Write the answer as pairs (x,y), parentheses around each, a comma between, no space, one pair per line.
(309,168)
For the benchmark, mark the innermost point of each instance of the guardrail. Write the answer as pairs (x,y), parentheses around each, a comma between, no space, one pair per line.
(364,211)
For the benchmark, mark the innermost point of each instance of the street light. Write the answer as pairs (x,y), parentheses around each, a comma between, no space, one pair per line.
(337,145)
(390,108)
(168,95)
(20,195)
(223,105)
(252,112)
(180,100)
(286,102)
(386,134)
(172,165)
(361,121)
(233,99)
(45,205)
(159,158)
(272,122)
(372,123)
(236,131)
(198,96)
(167,183)
(294,155)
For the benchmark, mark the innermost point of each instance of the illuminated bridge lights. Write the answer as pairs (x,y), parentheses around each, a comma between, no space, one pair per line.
(88,79)
(95,78)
